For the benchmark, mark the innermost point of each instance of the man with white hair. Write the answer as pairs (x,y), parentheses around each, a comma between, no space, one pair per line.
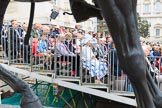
(152,71)
(46,29)
(63,53)
(146,50)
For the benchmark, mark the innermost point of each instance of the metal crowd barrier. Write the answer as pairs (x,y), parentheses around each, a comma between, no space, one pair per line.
(156,69)
(115,80)
(0,97)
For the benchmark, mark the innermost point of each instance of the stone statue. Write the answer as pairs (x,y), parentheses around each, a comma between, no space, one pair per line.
(120,16)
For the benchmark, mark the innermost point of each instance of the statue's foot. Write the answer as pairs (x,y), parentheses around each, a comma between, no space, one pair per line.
(32,104)
(82,11)
(158,101)
(30,100)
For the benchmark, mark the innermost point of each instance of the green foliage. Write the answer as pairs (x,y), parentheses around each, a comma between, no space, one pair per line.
(143,27)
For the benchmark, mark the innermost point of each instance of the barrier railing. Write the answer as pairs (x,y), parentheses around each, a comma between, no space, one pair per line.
(0,97)
(103,71)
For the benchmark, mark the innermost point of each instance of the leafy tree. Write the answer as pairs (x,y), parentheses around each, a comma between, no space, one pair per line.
(143,27)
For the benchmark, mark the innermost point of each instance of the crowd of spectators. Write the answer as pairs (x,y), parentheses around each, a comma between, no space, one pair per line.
(153,51)
(69,44)
(95,51)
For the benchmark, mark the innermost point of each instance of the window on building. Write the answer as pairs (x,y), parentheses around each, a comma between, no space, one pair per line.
(138,8)
(157,32)
(138,1)
(146,8)
(157,6)
(98,23)
(54,2)
(146,1)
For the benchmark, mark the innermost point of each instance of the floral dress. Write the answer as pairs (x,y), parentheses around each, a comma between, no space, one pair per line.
(95,67)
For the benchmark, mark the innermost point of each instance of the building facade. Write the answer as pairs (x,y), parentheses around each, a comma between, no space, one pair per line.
(151,10)
(68,20)
(102,27)
(21,12)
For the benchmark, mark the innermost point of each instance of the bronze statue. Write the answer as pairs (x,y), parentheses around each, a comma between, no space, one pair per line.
(29,99)
(120,16)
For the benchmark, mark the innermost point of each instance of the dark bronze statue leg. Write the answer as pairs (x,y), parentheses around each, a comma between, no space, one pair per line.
(3,7)
(157,96)
(79,10)
(29,99)
(120,16)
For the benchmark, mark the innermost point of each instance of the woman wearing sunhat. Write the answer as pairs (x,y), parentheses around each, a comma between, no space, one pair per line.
(96,68)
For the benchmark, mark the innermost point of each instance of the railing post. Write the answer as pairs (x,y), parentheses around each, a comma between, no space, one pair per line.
(9,48)
(0,97)
(55,61)
(81,68)
(109,76)
(31,55)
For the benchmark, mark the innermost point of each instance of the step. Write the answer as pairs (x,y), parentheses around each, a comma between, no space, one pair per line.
(15,106)
(9,106)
